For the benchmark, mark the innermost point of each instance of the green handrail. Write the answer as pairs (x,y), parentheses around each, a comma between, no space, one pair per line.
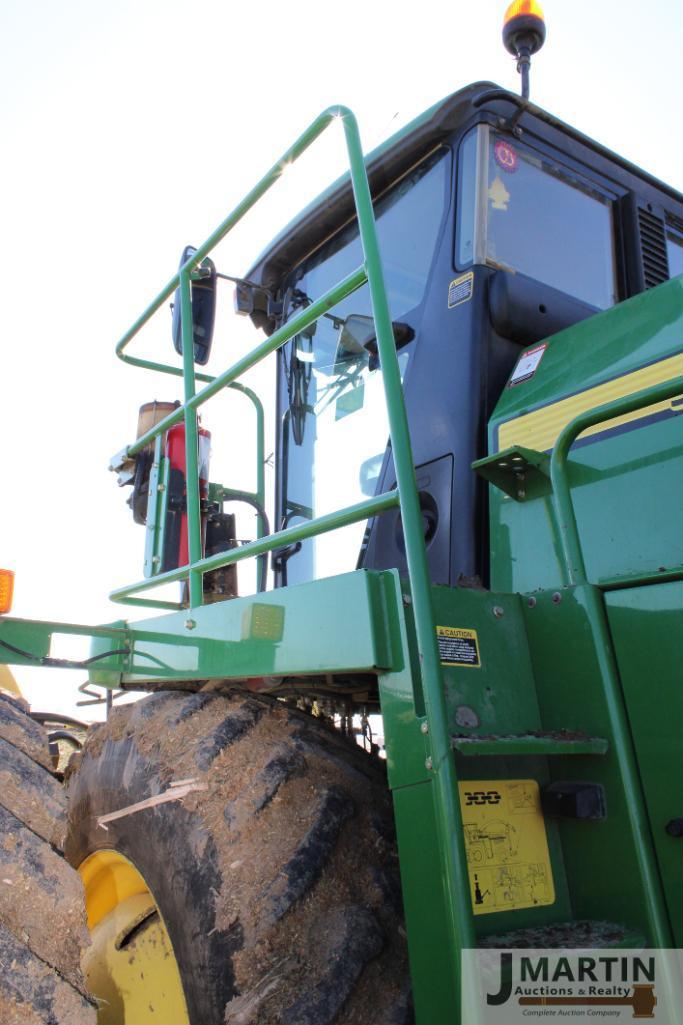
(280,539)
(574,569)
(574,563)
(440,760)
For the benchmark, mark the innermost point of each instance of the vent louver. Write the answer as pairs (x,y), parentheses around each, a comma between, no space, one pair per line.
(653,248)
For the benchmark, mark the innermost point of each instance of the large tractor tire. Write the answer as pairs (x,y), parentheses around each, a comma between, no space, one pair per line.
(42,916)
(270,896)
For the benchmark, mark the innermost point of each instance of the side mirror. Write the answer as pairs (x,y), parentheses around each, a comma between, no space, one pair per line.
(203,309)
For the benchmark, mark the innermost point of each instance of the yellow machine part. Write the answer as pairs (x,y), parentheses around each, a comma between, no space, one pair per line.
(7,681)
(130,967)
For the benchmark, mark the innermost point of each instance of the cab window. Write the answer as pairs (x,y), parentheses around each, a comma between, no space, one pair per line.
(522,211)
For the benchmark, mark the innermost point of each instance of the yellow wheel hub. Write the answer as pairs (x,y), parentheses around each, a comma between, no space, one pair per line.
(130,968)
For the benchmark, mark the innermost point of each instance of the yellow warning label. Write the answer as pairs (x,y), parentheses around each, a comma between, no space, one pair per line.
(458,646)
(460,289)
(506,845)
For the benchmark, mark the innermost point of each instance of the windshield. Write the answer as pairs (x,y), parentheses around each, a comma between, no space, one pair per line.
(334,428)
(522,211)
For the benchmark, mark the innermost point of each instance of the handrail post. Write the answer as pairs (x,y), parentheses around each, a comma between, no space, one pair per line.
(570,541)
(194,541)
(447,807)
(576,575)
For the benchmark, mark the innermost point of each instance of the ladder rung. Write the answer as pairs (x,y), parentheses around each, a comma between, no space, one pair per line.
(556,742)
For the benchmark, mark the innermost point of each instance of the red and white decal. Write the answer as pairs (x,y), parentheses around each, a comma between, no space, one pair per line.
(506,156)
(528,365)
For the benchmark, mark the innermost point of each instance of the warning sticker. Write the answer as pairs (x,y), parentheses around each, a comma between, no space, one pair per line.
(458,646)
(528,365)
(505,156)
(461,289)
(506,845)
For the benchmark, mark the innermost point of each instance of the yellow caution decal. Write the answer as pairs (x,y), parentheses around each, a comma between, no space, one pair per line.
(458,646)
(506,845)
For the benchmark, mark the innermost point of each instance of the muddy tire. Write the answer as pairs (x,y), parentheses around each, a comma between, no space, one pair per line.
(278,883)
(42,915)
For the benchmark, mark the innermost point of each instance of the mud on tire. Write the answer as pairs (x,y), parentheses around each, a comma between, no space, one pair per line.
(42,914)
(278,884)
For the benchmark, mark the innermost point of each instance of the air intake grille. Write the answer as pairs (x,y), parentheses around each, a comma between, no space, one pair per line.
(653,248)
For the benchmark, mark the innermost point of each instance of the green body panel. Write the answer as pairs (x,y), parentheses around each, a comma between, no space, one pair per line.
(646,624)
(622,477)
(333,625)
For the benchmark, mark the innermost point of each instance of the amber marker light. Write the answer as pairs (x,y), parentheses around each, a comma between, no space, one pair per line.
(526,7)
(524,35)
(6,590)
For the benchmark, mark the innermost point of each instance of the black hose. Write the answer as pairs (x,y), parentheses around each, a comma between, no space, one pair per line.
(62,663)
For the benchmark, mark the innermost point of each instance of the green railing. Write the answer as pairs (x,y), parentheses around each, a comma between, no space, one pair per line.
(567,527)
(574,569)
(440,760)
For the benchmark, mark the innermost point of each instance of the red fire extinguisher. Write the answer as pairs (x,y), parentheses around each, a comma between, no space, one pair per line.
(176,551)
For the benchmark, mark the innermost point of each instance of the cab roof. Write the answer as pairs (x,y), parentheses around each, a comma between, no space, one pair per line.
(335,206)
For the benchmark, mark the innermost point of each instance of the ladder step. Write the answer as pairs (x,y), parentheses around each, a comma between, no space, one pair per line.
(555,742)
(567,934)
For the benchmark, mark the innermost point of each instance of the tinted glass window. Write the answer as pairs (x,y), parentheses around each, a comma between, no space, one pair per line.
(536,217)
(547,224)
(335,430)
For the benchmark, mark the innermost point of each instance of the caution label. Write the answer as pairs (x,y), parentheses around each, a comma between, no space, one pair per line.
(458,646)
(506,845)
(460,289)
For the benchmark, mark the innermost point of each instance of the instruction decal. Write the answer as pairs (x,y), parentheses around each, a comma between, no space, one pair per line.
(508,860)
(458,646)
(527,366)
(461,289)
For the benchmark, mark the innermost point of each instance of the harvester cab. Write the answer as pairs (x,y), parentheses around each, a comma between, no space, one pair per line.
(498,227)
(476,533)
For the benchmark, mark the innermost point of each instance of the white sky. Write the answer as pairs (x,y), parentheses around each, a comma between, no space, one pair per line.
(130,128)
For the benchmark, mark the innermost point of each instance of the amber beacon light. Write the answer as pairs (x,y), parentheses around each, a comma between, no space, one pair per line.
(524,35)
(6,590)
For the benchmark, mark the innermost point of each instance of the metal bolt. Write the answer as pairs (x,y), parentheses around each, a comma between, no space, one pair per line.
(557,598)
(521,493)
(161,487)
(531,602)
(190,624)
(498,611)
(429,764)
(407,600)
(424,727)
(156,559)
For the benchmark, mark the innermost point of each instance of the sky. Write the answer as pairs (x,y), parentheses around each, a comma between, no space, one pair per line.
(132,128)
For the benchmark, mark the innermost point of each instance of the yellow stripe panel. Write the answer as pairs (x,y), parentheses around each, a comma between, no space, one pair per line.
(539,430)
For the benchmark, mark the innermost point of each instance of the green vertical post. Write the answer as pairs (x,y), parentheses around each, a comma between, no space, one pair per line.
(447,806)
(194,538)
(260,461)
(574,569)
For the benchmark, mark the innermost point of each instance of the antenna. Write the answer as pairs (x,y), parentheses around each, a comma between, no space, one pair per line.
(524,35)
